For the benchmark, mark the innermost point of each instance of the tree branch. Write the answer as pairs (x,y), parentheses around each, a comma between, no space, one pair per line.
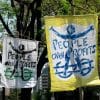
(26,20)
(24,2)
(30,27)
(6,27)
(21,16)
(39,24)
(70,1)
(12,4)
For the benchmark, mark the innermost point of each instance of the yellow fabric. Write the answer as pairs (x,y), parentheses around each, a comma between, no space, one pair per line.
(58,47)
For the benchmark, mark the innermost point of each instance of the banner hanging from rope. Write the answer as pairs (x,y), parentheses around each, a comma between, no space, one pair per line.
(19,61)
(72,51)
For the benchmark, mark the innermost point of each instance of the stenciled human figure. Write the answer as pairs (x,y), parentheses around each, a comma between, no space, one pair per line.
(20,50)
(71,36)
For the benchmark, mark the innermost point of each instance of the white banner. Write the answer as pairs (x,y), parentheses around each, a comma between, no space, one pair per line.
(19,60)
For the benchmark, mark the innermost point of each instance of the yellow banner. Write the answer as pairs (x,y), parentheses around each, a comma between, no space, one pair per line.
(72,51)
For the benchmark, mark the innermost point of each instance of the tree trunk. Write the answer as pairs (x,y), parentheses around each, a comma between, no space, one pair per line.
(36,15)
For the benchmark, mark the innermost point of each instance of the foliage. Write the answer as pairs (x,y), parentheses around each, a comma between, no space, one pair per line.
(28,17)
(14,94)
(25,19)
(65,7)
(54,7)
(87,6)
(6,8)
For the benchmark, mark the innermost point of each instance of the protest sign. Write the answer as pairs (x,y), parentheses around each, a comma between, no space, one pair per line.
(19,60)
(72,51)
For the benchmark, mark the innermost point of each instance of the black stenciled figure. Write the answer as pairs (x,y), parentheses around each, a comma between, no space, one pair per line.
(20,51)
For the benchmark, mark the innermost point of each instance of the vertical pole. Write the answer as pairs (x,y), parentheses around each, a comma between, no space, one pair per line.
(81,91)
(52,96)
(16,94)
(99,96)
(3,93)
